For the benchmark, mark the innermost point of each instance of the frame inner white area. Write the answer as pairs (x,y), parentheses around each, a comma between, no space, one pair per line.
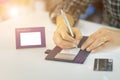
(30,38)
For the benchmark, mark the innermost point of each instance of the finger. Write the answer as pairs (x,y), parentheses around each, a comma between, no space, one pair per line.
(67,37)
(103,46)
(62,43)
(88,42)
(95,44)
(63,31)
(100,39)
(65,44)
(77,33)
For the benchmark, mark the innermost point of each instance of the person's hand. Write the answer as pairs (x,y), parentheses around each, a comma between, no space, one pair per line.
(63,39)
(103,38)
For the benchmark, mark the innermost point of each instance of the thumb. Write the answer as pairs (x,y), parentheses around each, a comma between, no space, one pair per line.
(78,34)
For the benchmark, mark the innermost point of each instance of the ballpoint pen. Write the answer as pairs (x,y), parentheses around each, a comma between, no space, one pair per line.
(67,22)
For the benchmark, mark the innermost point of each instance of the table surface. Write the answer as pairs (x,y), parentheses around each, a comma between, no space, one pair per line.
(30,63)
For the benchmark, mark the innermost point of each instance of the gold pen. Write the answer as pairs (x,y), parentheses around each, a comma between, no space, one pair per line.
(67,22)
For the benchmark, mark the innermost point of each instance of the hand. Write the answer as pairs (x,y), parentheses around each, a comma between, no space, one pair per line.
(63,39)
(101,39)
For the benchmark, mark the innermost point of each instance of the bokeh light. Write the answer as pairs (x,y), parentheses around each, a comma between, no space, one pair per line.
(14,12)
(15,8)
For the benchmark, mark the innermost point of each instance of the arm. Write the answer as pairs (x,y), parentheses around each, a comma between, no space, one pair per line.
(72,7)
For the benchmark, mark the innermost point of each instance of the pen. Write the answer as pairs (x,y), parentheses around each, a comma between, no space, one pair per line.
(67,22)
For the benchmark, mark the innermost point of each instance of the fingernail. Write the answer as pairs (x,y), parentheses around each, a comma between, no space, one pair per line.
(88,49)
(75,42)
(82,47)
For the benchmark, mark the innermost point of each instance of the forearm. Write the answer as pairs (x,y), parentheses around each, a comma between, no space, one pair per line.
(72,7)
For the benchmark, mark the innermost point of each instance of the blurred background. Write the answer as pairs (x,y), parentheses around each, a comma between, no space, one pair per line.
(93,12)
(16,8)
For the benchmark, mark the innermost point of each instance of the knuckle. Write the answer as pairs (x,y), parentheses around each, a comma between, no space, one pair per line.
(64,36)
(79,37)
(74,29)
(102,28)
(92,47)
(92,36)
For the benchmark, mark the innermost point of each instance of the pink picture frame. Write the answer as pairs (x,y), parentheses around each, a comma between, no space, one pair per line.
(33,37)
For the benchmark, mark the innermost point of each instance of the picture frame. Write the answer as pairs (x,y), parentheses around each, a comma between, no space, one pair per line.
(32,37)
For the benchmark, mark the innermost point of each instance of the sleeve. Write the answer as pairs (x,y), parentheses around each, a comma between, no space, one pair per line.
(72,7)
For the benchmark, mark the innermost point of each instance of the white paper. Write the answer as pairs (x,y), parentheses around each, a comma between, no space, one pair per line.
(30,38)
